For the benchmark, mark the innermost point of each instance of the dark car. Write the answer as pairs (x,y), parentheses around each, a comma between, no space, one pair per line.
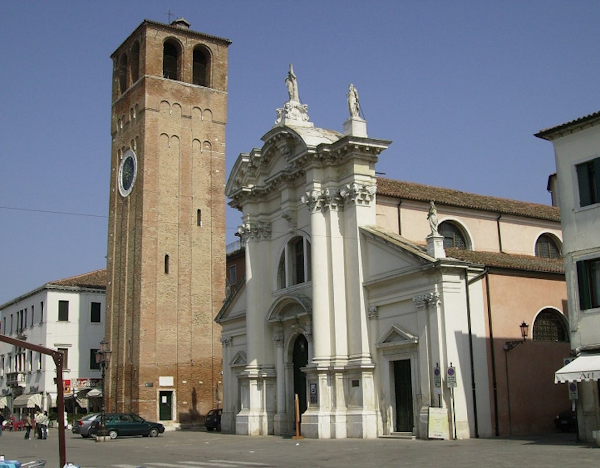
(213,420)
(566,421)
(83,426)
(127,424)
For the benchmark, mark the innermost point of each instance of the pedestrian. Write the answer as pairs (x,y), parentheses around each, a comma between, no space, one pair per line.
(1,423)
(28,426)
(38,423)
(44,420)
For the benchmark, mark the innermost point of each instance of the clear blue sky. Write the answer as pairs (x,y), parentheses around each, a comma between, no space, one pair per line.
(459,86)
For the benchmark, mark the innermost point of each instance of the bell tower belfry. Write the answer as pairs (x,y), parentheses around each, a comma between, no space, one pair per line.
(166,239)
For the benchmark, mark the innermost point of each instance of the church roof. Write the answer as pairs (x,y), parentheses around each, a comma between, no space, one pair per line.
(444,196)
(509,261)
(472,257)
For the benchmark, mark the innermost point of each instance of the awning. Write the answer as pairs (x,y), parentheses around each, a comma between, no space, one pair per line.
(94,392)
(3,403)
(28,401)
(585,367)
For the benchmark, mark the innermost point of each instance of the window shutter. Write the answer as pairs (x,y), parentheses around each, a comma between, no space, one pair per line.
(583,178)
(584,286)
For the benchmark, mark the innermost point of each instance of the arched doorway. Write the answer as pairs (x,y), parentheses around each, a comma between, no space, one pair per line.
(300,360)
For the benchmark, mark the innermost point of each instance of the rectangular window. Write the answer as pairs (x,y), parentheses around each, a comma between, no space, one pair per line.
(95,312)
(65,352)
(39,361)
(93,363)
(588,279)
(63,311)
(232,275)
(588,179)
(32,314)
(41,312)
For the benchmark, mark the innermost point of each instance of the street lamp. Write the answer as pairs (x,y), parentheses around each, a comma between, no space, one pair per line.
(507,347)
(524,332)
(103,359)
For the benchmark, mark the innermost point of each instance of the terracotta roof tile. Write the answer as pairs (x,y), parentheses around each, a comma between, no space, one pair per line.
(510,261)
(95,279)
(457,198)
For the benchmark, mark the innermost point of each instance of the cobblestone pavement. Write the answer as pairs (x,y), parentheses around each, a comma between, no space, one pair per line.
(213,450)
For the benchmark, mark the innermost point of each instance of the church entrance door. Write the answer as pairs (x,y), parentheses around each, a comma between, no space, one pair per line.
(404,398)
(300,359)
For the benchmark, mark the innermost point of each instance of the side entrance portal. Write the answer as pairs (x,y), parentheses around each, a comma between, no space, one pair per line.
(404,397)
(300,358)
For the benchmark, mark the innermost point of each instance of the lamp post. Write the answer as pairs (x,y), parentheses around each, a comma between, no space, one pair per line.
(103,359)
(507,347)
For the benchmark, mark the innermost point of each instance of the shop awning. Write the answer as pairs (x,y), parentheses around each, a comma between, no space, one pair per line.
(28,401)
(3,403)
(585,367)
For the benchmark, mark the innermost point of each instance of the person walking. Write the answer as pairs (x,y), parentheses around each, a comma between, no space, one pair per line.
(38,423)
(44,420)
(28,426)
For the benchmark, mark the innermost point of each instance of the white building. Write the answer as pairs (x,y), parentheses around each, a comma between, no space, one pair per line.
(352,301)
(67,315)
(577,154)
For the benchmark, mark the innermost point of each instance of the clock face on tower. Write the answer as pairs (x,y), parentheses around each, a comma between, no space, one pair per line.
(127,173)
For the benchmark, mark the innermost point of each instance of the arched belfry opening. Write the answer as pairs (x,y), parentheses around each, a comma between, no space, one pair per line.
(300,360)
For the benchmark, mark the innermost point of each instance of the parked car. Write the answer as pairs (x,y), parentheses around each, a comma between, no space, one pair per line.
(213,420)
(127,424)
(82,426)
(566,421)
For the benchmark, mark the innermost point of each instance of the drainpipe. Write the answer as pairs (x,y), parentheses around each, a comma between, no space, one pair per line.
(399,218)
(468,299)
(492,352)
(499,232)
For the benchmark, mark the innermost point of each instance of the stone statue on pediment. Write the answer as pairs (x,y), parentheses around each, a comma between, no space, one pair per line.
(433,219)
(353,103)
(293,111)
(292,85)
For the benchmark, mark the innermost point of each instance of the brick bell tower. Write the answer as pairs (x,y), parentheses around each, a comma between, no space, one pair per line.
(166,239)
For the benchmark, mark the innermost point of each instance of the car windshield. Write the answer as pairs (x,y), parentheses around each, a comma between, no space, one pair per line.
(89,416)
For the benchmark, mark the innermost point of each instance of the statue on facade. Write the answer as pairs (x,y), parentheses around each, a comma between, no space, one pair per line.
(292,85)
(353,103)
(433,219)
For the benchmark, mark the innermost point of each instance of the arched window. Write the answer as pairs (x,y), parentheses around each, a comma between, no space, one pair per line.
(134,64)
(170,61)
(123,73)
(550,326)
(294,264)
(547,247)
(453,235)
(200,69)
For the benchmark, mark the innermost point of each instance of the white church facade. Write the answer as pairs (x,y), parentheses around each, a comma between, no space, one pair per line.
(373,310)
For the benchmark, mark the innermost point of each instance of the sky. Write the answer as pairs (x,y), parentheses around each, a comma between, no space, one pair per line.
(460,87)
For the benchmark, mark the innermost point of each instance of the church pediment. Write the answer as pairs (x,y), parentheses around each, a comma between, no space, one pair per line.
(390,255)
(238,360)
(397,336)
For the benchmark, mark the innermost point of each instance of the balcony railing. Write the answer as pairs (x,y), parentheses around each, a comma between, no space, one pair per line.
(15,379)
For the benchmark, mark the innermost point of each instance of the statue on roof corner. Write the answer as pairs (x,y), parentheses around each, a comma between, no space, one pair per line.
(433,219)
(353,103)
(292,85)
